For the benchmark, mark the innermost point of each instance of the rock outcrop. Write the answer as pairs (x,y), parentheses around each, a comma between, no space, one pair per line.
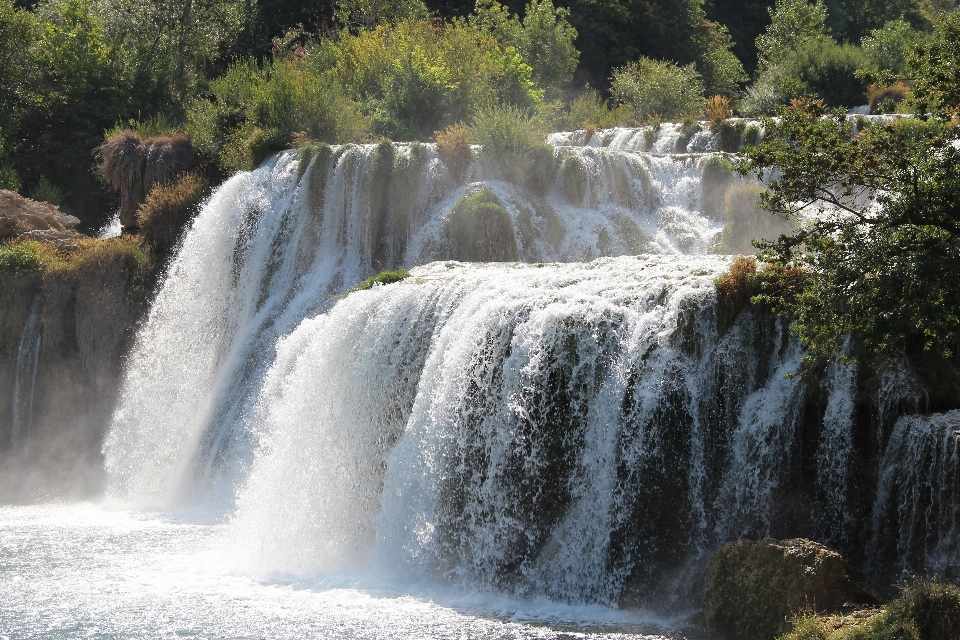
(755,587)
(135,167)
(41,221)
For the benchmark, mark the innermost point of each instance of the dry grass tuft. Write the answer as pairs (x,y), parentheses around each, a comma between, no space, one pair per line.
(718,110)
(734,291)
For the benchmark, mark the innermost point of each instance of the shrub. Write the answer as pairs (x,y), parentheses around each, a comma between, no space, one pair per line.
(886,98)
(654,87)
(925,610)
(575,180)
(482,229)
(168,210)
(718,110)
(46,191)
(453,147)
(717,176)
(746,221)
(886,49)
(513,138)
(382,278)
(257,111)
(22,258)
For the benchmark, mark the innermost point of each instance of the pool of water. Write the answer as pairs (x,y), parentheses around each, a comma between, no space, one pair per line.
(87,571)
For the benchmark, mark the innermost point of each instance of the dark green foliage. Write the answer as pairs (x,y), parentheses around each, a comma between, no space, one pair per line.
(513,139)
(880,256)
(482,229)
(382,278)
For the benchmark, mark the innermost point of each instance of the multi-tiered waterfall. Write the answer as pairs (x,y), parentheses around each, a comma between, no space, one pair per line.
(581,424)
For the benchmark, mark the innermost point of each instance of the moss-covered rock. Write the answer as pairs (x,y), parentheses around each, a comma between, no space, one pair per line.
(754,588)
(575,179)
(746,221)
(482,229)
(717,177)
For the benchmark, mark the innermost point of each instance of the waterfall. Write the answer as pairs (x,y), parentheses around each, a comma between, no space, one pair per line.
(279,244)
(25,375)
(576,424)
(916,520)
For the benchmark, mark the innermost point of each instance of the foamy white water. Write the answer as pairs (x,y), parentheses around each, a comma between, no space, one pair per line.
(81,571)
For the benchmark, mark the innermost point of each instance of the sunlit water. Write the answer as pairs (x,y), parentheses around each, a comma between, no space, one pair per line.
(84,571)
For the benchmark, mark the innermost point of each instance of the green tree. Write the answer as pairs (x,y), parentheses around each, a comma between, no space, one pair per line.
(543,38)
(879,213)
(793,23)
(887,49)
(17,71)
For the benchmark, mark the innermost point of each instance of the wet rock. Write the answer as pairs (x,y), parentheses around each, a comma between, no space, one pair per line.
(755,587)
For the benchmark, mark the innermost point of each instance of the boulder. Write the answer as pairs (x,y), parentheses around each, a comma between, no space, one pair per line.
(7,225)
(755,587)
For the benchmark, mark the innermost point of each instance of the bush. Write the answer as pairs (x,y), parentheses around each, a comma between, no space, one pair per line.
(22,258)
(168,210)
(482,229)
(734,290)
(718,110)
(886,49)
(589,112)
(746,221)
(257,111)
(885,99)
(453,147)
(651,87)
(513,138)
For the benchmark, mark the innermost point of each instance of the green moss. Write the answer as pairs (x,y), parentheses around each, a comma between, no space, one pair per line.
(751,136)
(482,228)
(384,277)
(690,128)
(575,179)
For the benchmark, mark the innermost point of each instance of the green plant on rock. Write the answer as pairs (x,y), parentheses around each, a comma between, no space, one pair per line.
(925,610)
(22,258)
(382,278)
(482,229)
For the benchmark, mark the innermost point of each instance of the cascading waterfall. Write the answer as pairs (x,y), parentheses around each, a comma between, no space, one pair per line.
(583,426)
(25,375)
(916,520)
(279,244)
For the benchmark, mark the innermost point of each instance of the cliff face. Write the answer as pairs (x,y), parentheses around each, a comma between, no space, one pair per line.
(68,312)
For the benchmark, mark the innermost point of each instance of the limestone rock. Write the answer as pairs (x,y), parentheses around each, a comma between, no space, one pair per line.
(41,221)
(755,587)
(7,225)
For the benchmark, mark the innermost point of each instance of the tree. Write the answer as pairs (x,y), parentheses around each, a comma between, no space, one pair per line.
(879,212)
(793,23)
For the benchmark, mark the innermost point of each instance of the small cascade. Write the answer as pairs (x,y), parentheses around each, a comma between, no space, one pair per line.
(25,375)
(916,515)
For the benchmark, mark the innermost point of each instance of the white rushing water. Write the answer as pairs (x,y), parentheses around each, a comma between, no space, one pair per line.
(544,448)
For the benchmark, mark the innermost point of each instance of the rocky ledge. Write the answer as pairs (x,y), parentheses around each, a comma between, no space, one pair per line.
(22,217)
